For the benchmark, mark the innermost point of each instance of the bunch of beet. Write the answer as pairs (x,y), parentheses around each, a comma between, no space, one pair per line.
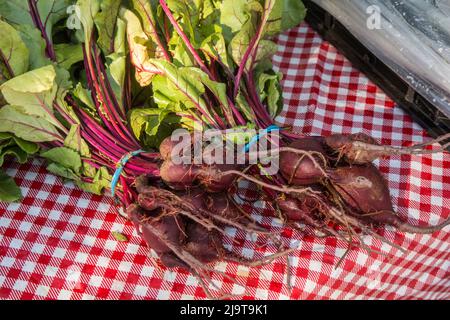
(322,179)
(328,183)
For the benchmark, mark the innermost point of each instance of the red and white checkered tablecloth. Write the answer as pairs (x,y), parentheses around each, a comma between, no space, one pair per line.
(57,243)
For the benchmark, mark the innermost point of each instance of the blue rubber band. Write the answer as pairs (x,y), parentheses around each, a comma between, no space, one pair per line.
(256,138)
(120,166)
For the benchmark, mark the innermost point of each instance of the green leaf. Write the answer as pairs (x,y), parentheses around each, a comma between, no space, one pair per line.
(219,90)
(62,171)
(30,128)
(14,54)
(5,136)
(183,86)
(141,48)
(88,10)
(32,38)
(215,46)
(94,188)
(65,157)
(16,12)
(68,54)
(9,191)
(64,84)
(27,146)
(285,15)
(84,95)
(15,151)
(258,17)
(241,41)
(140,117)
(153,125)
(244,107)
(180,53)
(120,37)
(75,142)
(33,92)
(116,69)
(101,180)
(188,13)
(233,14)
(119,236)
(88,170)
(269,89)
(266,49)
(49,13)
(6,143)
(105,21)
(149,24)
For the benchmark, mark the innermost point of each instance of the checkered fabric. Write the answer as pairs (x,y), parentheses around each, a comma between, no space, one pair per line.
(58,244)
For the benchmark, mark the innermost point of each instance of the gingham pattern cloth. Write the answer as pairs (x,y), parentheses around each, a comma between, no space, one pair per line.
(57,243)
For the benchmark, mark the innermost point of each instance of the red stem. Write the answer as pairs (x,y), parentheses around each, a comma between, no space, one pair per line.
(155,33)
(34,12)
(184,37)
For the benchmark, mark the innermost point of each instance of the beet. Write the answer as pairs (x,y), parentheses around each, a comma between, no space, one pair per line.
(299,169)
(362,188)
(211,179)
(354,152)
(179,176)
(171,227)
(166,147)
(205,245)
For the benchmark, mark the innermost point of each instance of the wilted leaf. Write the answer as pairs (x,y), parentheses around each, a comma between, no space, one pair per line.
(119,236)
(62,171)
(141,48)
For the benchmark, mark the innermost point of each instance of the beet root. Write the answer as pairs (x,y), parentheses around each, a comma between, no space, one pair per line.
(186,176)
(205,245)
(360,148)
(179,176)
(351,147)
(362,188)
(365,190)
(389,218)
(303,169)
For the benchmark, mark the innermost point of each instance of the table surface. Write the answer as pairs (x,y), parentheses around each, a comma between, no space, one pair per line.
(58,244)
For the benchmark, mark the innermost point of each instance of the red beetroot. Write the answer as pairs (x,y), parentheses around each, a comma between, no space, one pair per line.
(171,227)
(365,190)
(300,169)
(362,188)
(182,177)
(179,176)
(355,148)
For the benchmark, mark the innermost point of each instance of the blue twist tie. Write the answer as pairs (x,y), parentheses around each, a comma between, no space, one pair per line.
(256,138)
(120,166)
